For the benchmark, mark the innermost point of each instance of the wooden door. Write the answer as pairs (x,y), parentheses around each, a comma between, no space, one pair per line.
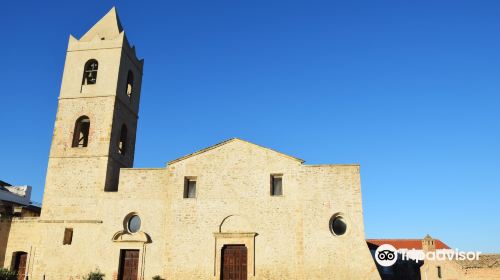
(21,259)
(234,262)
(129,264)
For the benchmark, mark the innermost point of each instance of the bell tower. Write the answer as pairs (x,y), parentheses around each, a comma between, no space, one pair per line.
(95,127)
(428,244)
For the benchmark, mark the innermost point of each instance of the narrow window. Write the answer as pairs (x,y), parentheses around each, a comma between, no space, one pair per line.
(189,187)
(68,236)
(130,84)
(439,272)
(122,144)
(81,132)
(90,72)
(277,185)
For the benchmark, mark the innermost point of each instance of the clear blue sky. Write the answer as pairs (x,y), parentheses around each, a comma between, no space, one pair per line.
(408,89)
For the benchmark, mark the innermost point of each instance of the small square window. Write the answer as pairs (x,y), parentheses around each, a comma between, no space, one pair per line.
(190,187)
(68,236)
(277,185)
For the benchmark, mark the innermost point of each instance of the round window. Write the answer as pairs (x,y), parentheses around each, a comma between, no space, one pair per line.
(134,224)
(338,225)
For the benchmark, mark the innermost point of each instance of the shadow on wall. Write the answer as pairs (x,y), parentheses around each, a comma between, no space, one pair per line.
(401,270)
(4,237)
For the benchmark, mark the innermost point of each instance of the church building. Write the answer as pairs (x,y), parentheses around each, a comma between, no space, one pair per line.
(234,210)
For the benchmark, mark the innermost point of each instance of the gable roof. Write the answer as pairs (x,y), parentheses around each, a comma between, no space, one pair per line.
(406,243)
(227,142)
(107,27)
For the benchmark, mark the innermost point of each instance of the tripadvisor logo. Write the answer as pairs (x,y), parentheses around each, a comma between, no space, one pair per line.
(386,255)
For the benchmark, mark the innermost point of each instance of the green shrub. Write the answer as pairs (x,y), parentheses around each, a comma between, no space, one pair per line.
(157,277)
(6,274)
(95,275)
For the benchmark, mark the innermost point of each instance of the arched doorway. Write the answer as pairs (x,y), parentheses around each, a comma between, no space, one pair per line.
(20,261)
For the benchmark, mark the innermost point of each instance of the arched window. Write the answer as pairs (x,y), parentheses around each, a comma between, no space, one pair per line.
(130,84)
(122,144)
(81,132)
(90,72)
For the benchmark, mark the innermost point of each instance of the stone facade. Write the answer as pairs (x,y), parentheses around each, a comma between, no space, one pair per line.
(15,203)
(93,191)
(487,267)
(440,265)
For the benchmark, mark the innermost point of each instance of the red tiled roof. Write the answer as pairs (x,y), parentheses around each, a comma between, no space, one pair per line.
(406,243)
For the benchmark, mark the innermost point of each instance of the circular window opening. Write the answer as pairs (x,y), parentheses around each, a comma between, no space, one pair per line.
(338,225)
(134,224)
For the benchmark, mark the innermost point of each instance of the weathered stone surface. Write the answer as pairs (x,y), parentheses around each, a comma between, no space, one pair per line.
(180,238)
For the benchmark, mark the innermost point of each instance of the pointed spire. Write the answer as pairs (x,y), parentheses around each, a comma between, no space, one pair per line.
(107,27)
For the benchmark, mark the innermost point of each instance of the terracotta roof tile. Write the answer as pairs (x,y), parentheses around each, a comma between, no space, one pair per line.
(406,243)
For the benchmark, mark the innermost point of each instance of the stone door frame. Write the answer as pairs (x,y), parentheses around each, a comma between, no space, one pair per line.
(234,238)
